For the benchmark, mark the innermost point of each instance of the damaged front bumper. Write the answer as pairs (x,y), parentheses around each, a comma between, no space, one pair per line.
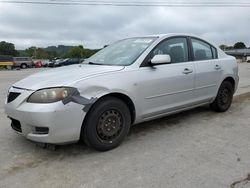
(54,123)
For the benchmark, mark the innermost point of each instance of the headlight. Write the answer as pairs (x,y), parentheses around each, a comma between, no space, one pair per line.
(51,95)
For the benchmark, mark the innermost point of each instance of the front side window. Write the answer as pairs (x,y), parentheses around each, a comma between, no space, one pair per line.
(122,53)
(201,50)
(176,48)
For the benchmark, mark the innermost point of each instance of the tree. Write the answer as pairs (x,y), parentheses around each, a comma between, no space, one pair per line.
(7,48)
(22,53)
(239,45)
(52,54)
(230,47)
(31,51)
(223,46)
(76,52)
(41,54)
(89,52)
(61,51)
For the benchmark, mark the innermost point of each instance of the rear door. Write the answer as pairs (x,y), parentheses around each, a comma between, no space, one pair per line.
(208,70)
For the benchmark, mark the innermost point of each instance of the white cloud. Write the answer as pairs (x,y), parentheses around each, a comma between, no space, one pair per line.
(95,26)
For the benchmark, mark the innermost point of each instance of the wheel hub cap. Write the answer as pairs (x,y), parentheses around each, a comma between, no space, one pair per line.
(109,125)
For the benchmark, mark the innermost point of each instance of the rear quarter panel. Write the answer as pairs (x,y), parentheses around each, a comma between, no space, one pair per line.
(229,69)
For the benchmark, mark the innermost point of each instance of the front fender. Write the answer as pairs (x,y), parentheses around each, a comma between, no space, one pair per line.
(90,95)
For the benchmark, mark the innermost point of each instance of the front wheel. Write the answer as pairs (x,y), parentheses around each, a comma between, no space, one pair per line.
(107,124)
(24,66)
(224,97)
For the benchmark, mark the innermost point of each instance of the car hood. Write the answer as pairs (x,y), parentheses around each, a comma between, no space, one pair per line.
(63,76)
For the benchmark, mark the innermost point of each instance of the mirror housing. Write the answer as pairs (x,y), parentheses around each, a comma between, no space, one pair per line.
(161,59)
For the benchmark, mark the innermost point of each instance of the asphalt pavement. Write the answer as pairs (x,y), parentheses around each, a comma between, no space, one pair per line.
(198,148)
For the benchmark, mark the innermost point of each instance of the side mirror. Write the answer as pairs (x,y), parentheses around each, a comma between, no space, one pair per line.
(161,59)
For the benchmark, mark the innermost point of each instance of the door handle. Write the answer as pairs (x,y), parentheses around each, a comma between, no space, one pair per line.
(187,71)
(217,67)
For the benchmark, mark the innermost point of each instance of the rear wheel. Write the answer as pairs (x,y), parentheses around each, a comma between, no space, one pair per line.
(224,97)
(107,124)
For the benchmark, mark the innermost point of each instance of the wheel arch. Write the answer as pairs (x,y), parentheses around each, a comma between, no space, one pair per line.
(231,80)
(128,101)
(125,98)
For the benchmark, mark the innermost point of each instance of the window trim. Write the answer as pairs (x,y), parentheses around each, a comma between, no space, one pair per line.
(214,56)
(145,62)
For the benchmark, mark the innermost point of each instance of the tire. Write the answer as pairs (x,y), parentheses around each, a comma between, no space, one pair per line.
(107,124)
(23,66)
(224,97)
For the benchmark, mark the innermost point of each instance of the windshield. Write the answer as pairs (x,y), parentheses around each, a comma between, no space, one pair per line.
(122,53)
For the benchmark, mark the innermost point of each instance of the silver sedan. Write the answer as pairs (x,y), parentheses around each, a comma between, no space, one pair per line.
(128,82)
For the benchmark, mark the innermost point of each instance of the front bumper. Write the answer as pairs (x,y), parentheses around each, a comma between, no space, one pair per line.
(63,121)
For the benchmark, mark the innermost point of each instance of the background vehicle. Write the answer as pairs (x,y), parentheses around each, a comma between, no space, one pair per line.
(23,62)
(56,63)
(82,60)
(38,64)
(45,62)
(50,63)
(6,62)
(131,81)
(68,61)
(41,63)
(248,59)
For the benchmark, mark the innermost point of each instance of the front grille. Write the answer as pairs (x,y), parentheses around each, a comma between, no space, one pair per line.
(12,96)
(16,125)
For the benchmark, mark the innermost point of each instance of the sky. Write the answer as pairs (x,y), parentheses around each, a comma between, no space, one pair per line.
(28,25)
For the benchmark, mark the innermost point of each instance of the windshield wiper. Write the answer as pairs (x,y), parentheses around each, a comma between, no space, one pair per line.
(92,63)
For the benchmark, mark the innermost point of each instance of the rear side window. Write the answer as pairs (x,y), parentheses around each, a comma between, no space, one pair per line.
(176,48)
(201,50)
(22,59)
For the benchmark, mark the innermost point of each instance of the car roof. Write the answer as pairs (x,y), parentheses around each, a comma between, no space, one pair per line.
(166,35)
(170,35)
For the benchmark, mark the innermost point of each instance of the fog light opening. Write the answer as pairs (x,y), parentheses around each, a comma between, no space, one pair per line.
(16,125)
(41,130)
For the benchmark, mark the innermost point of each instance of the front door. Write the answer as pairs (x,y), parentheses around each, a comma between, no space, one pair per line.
(167,87)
